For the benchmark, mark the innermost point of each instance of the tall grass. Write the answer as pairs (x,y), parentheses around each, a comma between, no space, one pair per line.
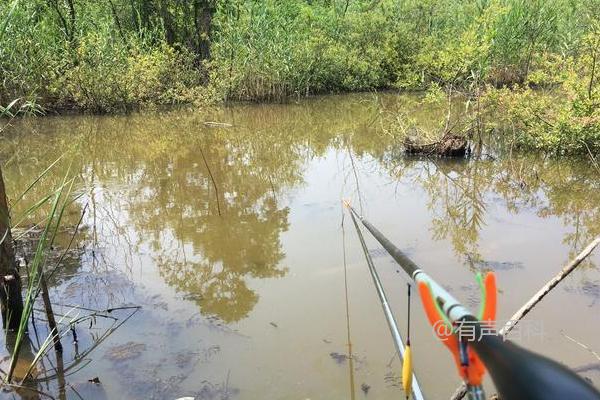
(60,199)
(122,54)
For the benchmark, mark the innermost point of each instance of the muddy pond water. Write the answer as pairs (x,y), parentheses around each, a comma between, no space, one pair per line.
(240,276)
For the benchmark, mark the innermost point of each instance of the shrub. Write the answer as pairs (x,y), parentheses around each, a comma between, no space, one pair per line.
(564,120)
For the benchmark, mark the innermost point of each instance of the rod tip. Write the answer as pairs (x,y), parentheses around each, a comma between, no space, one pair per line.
(346,203)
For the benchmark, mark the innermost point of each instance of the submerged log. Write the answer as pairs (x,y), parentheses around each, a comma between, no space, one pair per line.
(449,146)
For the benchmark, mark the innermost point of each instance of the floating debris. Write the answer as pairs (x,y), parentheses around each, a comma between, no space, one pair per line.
(380,252)
(211,352)
(593,367)
(376,253)
(213,323)
(184,359)
(392,380)
(449,145)
(589,380)
(211,391)
(274,324)
(87,390)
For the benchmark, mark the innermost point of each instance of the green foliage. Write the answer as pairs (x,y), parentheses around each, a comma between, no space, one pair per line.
(563,121)
(108,77)
(98,66)
(94,83)
(58,200)
(272,50)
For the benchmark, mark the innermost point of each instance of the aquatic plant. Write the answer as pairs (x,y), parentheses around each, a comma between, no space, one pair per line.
(60,199)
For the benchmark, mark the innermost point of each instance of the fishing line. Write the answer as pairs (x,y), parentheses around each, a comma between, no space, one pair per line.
(350,356)
(393,326)
(360,202)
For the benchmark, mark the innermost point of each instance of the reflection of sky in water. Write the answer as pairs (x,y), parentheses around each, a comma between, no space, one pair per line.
(249,304)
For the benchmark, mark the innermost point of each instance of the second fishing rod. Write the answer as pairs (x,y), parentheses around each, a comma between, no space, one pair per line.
(475,345)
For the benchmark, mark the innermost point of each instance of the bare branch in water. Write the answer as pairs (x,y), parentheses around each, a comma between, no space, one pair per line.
(212,178)
(524,310)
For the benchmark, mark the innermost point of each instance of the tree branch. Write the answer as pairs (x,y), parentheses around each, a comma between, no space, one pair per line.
(524,310)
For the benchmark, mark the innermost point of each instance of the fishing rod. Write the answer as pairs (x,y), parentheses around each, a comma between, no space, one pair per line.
(389,316)
(516,372)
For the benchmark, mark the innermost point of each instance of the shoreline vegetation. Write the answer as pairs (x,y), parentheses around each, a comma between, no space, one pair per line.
(526,69)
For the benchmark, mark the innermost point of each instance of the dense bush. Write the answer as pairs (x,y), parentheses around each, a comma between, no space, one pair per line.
(117,53)
(94,66)
(565,120)
(274,50)
(109,77)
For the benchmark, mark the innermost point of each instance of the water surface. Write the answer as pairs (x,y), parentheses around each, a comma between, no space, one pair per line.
(241,276)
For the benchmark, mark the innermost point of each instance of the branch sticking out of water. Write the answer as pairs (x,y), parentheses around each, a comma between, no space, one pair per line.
(524,310)
(212,178)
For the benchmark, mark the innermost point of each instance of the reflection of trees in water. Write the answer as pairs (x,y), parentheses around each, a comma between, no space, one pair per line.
(567,189)
(171,202)
(147,186)
(145,175)
(174,205)
(573,192)
(28,222)
(457,203)
(459,192)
